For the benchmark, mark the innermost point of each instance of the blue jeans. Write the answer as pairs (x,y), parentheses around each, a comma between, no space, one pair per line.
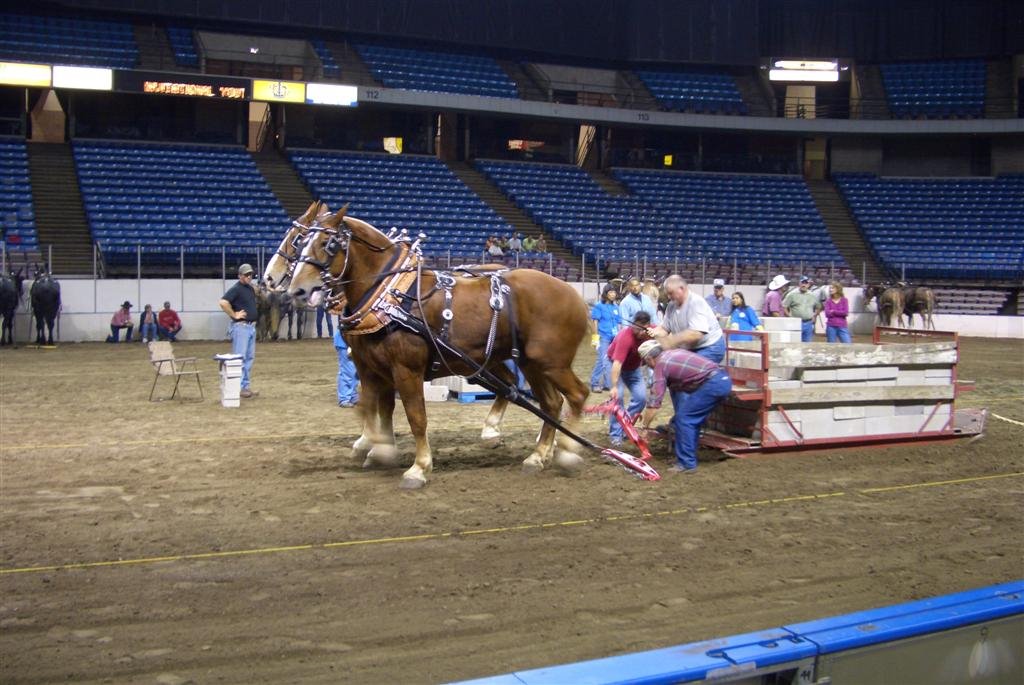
(321,313)
(601,376)
(807,331)
(521,383)
(691,411)
(634,381)
(243,342)
(115,333)
(148,331)
(837,334)
(166,332)
(347,377)
(715,352)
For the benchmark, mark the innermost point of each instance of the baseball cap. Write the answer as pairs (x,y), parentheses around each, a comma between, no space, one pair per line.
(719,283)
(805,279)
(245,269)
(648,348)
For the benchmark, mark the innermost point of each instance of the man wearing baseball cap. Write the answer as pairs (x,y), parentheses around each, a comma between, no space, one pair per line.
(805,305)
(720,304)
(239,303)
(698,385)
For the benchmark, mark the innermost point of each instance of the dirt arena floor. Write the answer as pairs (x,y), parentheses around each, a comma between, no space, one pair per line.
(185,542)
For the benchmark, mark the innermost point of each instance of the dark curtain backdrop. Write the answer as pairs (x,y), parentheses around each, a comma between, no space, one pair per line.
(716,31)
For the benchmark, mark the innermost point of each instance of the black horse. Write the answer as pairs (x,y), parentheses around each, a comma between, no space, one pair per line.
(10,296)
(45,295)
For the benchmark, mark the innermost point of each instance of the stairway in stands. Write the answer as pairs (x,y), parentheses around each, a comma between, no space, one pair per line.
(610,185)
(155,51)
(506,209)
(845,234)
(999,101)
(60,216)
(353,69)
(284,182)
(754,96)
(873,102)
(523,76)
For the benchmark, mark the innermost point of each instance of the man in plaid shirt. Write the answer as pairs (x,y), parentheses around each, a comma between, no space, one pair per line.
(698,385)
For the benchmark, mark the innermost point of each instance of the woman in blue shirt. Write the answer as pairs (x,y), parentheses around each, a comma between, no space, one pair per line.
(743,318)
(605,315)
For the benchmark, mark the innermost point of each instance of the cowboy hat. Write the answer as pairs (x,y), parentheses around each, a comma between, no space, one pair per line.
(127,304)
(778,282)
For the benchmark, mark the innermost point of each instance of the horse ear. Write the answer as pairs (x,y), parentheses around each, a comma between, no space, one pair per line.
(334,220)
(344,210)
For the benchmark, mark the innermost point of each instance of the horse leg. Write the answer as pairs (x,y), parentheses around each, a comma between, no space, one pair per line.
(382,432)
(49,330)
(575,391)
(551,404)
(492,424)
(410,387)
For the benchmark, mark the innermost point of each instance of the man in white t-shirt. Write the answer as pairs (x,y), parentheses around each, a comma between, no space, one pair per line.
(689,322)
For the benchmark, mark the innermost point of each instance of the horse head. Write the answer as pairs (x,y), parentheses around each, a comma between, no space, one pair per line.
(283,261)
(325,258)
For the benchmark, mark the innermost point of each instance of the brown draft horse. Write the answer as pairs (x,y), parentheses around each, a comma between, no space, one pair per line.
(920,301)
(890,303)
(276,278)
(551,318)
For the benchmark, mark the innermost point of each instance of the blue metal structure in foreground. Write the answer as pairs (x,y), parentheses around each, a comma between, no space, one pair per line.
(969,637)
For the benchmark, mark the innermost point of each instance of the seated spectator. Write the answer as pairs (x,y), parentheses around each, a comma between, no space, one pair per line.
(148,324)
(529,243)
(542,243)
(167,322)
(494,249)
(515,243)
(122,318)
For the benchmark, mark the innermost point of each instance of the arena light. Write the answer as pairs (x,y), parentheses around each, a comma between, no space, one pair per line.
(21,74)
(331,94)
(83,78)
(804,70)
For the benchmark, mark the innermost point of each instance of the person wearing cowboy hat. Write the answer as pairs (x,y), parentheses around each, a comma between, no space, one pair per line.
(804,305)
(697,385)
(239,303)
(720,304)
(122,318)
(773,300)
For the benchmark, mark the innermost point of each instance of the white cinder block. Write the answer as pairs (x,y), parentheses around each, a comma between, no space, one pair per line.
(878,372)
(937,381)
(784,373)
(434,393)
(783,385)
(910,377)
(783,432)
(783,337)
(946,374)
(818,375)
(781,323)
(879,410)
(909,409)
(775,416)
(887,425)
(885,382)
(834,429)
(852,373)
(849,412)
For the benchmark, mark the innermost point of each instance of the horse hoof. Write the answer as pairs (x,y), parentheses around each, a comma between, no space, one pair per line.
(570,462)
(383,455)
(411,483)
(490,435)
(532,464)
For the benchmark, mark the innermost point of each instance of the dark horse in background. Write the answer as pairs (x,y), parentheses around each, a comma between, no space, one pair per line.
(890,303)
(551,318)
(10,296)
(902,300)
(920,301)
(45,296)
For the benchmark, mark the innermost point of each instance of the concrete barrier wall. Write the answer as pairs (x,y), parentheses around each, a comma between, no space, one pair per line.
(88,305)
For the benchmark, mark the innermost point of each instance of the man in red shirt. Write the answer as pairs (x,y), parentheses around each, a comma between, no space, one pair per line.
(627,372)
(698,385)
(167,322)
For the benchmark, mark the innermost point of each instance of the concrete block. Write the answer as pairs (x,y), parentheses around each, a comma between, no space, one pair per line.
(783,337)
(775,384)
(938,381)
(825,355)
(908,410)
(745,360)
(818,375)
(775,416)
(852,373)
(782,432)
(834,429)
(879,372)
(857,393)
(435,393)
(910,377)
(781,323)
(844,413)
(879,410)
(784,373)
(887,425)
(944,373)
(882,383)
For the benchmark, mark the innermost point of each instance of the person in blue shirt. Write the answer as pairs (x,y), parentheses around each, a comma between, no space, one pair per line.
(347,376)
(719,303)
(743,318)
(605,315)
(634,301)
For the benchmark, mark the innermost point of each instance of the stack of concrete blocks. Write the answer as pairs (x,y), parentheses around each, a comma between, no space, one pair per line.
(230,379)
(840,392)
(435,391)
(459,385)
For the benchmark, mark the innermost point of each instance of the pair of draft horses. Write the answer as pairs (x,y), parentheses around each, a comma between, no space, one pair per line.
(341,259)
(897,302)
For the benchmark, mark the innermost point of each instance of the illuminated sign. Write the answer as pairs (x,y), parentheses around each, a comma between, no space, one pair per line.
(667,161)
(19,74)
(804,70)
(393,145)
(278,91)
(329,94)
(83,78)
(202,86)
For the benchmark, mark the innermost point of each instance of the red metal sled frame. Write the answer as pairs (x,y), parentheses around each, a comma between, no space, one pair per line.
(751,386)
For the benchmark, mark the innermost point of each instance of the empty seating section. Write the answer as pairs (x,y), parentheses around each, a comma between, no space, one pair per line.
(164,197)
(183,46)
(16,196)
(59,40)
(969,301)
(941,228)
(415,193)
(699,92)
(935,89)
(437,71)
(331,67)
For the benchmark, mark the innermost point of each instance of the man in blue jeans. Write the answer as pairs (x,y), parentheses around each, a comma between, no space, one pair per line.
(347,376)
(239,303)
(627,371)
(698,385)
